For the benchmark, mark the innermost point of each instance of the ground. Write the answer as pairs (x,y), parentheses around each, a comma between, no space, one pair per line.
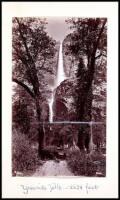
(53,168)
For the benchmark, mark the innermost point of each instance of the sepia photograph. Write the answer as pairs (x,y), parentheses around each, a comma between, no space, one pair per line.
(59,73)
(60,100)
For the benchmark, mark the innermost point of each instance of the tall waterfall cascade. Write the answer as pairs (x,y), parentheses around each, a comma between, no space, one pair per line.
(60,74)
(60,78)
(51,107)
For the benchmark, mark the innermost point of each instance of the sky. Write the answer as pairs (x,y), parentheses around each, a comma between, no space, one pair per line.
(57,27)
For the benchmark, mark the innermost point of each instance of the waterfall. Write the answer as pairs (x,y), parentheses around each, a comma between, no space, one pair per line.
(51,107)
(60,74)
(60,77)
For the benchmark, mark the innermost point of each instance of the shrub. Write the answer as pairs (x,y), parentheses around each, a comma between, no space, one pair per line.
(50,152)
(96,156)
(100,159)
(51,148)
(81,164)
(23,156)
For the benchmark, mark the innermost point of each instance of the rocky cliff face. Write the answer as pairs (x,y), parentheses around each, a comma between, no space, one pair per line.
(64,105)
(70,62)
(65,108)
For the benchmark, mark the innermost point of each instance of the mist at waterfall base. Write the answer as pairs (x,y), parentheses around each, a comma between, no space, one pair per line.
(59,79)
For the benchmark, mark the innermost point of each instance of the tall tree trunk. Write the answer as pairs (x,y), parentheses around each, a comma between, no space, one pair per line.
(40,128)
(85,105)
(40,139)
(84,134)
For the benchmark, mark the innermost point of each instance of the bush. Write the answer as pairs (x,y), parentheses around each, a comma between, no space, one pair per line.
(100,159)
(51,148)
(81,164)
(23,156)
(50,152)
(87,164)
(96,156)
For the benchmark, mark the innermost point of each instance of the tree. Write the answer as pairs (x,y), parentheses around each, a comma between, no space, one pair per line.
(24,113)
(20,116)
(88,44)
(32,47)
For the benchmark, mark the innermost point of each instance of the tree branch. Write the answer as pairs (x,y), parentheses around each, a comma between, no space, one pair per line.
(25,62)
(98,56)
(24,41)
(99,36)
(101,54)
(24,86)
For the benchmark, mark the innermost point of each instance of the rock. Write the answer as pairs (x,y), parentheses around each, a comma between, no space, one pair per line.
(61,155)
(64,105)
(17,173)
(99,174)
(96,162)
(66,95)
(70,63)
